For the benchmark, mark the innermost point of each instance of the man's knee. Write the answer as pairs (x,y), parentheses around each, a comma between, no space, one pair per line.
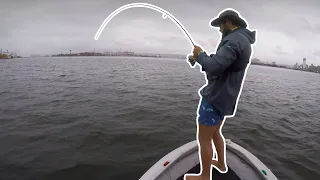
(205,140)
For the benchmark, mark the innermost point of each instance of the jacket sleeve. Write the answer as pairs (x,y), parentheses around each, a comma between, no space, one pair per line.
(219,62)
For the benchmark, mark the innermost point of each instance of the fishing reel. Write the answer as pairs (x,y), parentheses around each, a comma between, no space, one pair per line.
(191,61)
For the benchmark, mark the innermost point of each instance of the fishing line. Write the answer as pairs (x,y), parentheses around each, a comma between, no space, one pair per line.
(165,14)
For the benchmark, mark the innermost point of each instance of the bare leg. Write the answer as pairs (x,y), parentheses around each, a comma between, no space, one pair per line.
(220,147)
(205,134)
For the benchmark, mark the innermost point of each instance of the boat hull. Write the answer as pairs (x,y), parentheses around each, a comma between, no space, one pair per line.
(241,164)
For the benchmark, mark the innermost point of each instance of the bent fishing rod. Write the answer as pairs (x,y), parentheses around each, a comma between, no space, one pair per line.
(165,14)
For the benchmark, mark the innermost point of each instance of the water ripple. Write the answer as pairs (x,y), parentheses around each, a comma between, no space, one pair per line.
(86,118)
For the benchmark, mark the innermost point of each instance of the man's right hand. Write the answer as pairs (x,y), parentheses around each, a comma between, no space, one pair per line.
(196,51)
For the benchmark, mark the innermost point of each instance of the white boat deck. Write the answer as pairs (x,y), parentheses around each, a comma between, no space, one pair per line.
(185,159)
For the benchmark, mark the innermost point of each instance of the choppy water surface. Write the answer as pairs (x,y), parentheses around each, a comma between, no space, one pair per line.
(112,118)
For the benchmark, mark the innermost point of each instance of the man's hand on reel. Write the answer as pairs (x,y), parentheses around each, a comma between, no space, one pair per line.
(192,59)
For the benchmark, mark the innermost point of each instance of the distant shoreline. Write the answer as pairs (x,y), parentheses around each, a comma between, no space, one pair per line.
(271,65)
(158,56)
(104,55)
(282,67)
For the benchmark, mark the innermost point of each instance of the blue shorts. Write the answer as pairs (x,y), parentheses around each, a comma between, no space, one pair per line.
(208,115)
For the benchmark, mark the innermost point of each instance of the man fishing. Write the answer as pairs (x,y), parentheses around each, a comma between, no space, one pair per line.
(225,70)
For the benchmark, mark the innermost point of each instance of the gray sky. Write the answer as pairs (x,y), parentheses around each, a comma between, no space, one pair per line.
(288,30)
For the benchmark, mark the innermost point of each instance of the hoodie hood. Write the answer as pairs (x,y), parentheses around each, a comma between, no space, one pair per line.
(251,35)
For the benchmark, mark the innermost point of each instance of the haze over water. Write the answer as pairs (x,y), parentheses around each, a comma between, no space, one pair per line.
(114,117)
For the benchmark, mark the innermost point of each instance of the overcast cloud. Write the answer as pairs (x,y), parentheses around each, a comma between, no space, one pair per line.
(287,30)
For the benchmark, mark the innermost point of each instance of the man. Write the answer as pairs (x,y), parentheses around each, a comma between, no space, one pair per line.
(225,75)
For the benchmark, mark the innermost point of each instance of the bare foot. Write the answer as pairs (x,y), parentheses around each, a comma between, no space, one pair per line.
(193,177)
(196,177)
(220,166)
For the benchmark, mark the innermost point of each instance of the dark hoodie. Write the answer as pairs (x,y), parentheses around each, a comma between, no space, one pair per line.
(226,69)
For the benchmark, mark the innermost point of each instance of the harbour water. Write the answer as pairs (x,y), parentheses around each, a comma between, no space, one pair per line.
(114,117)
